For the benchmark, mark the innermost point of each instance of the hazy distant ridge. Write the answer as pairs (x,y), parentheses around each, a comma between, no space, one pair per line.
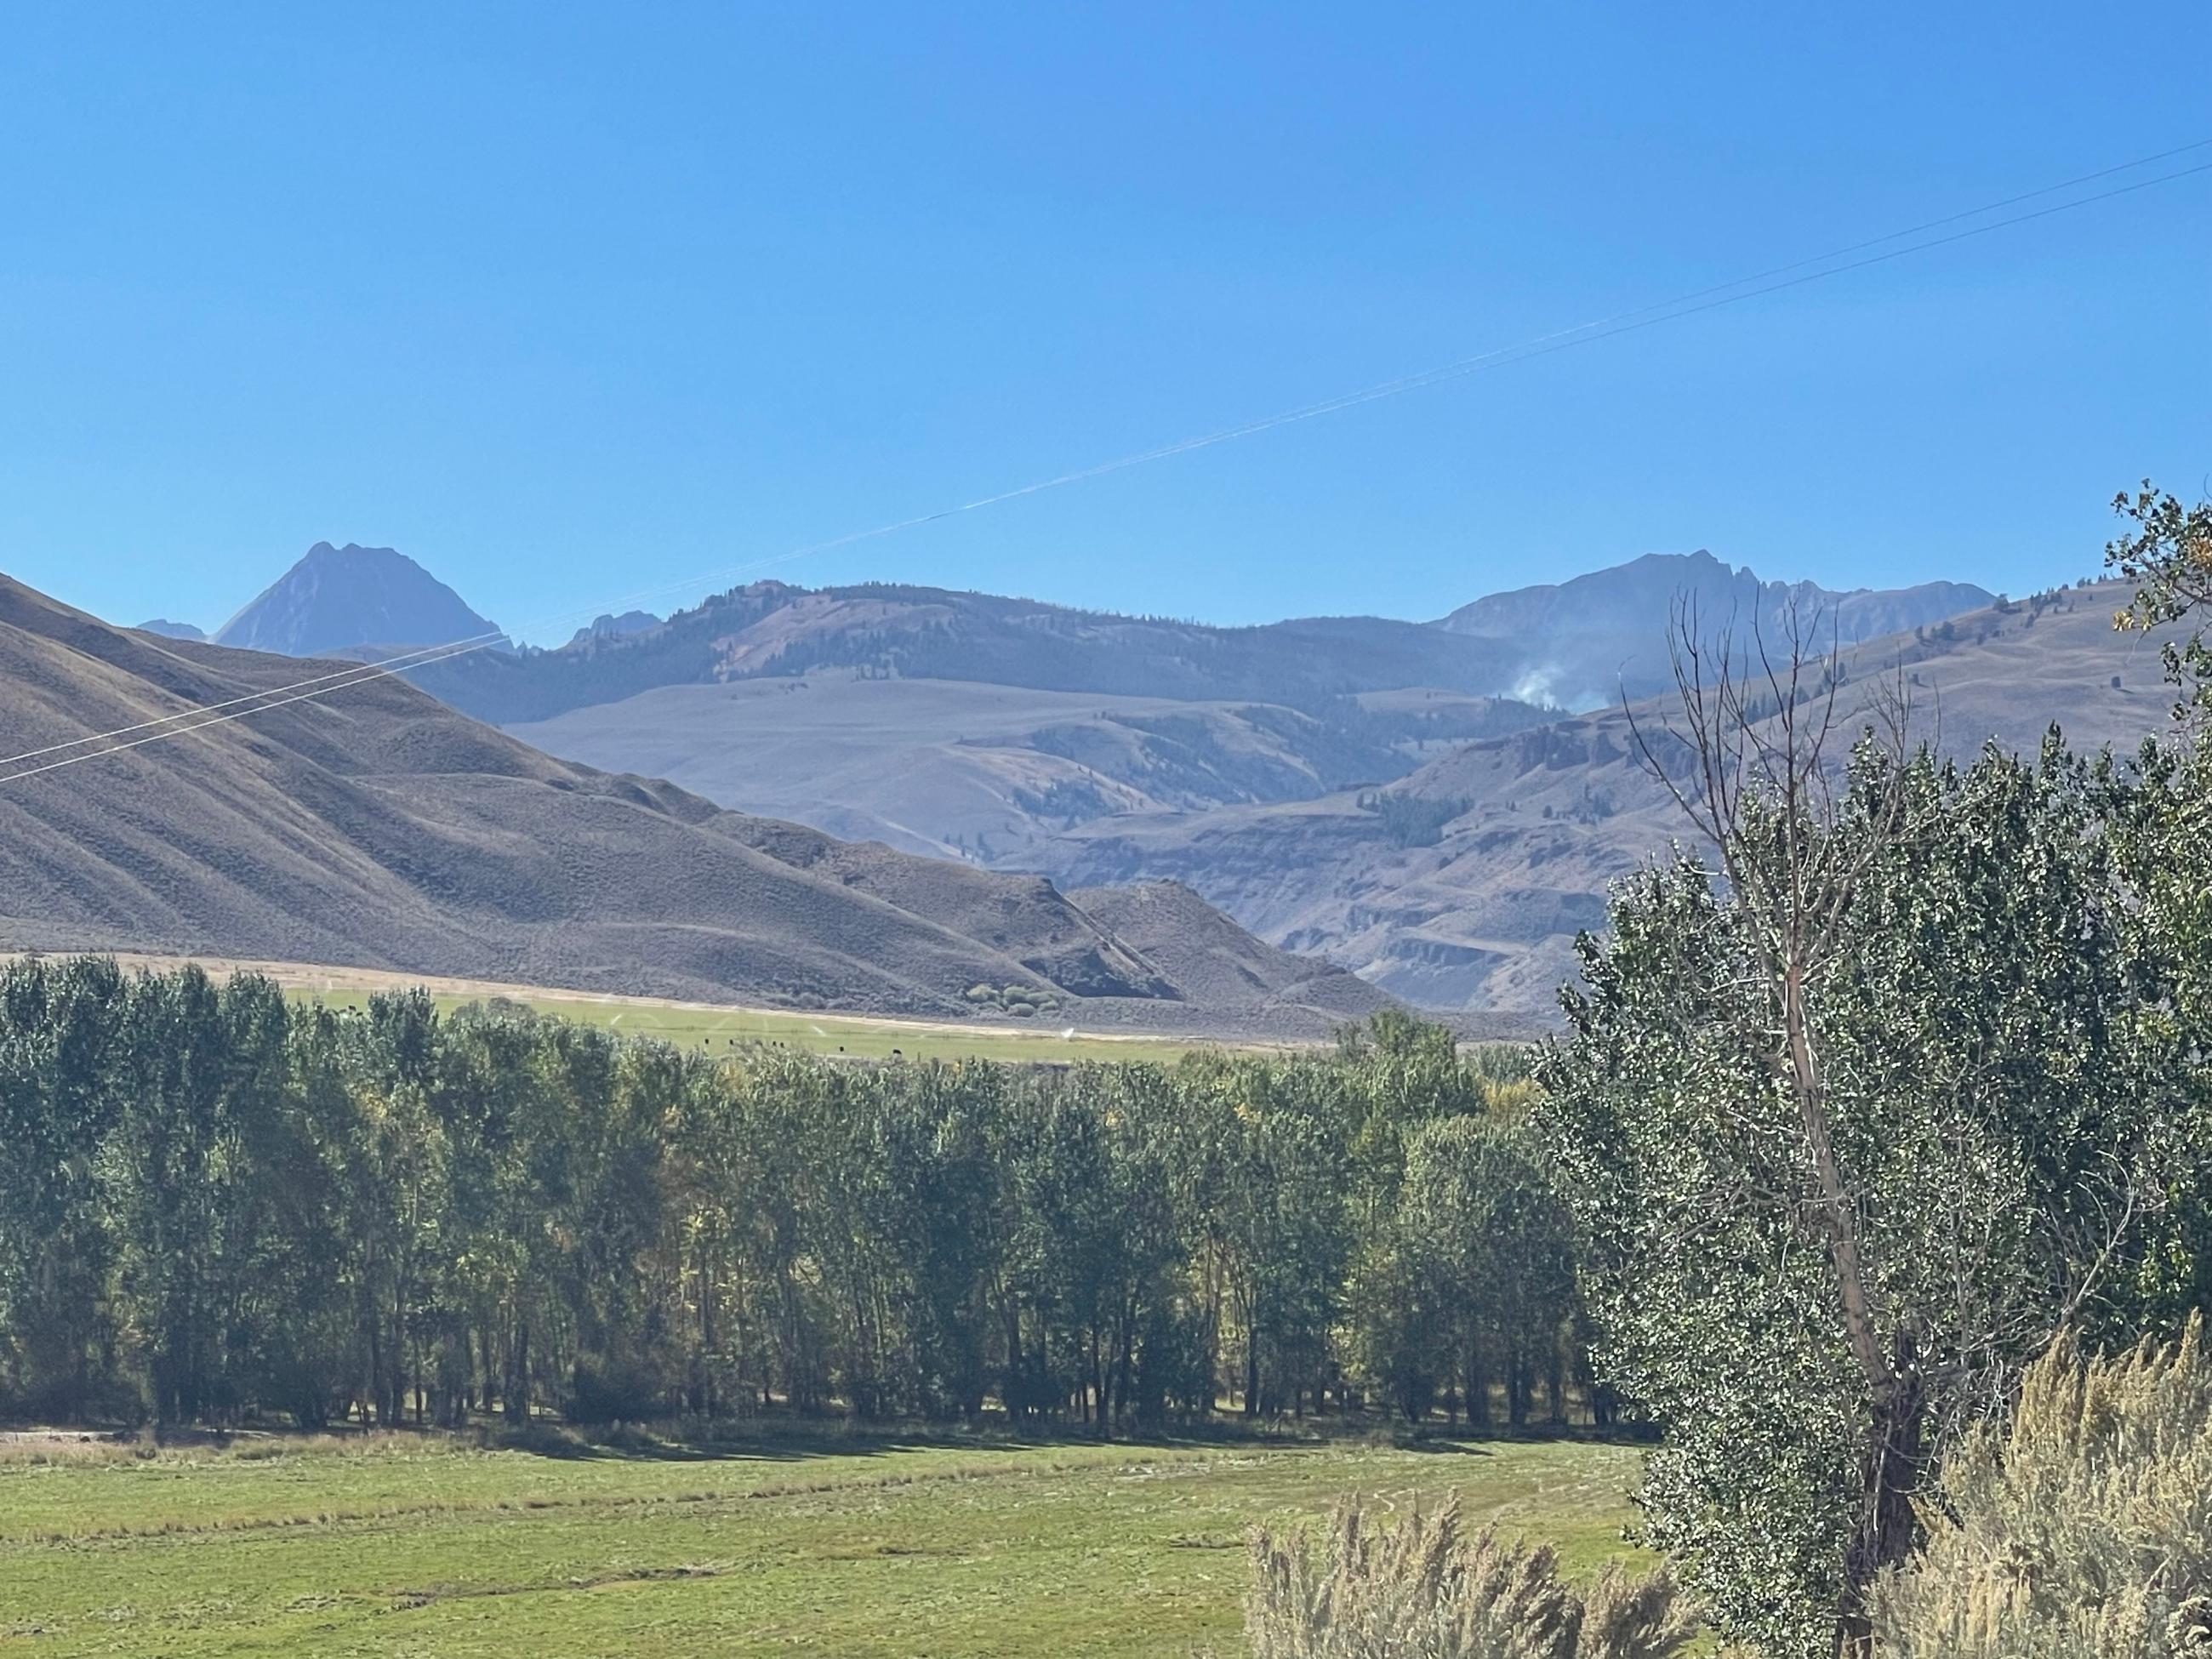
(1588,638)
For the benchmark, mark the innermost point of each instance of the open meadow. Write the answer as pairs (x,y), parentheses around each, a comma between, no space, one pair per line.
(1047,1039)
(698,1026)
(829,1546)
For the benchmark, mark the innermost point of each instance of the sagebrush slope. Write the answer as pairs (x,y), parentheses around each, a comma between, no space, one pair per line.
(378,828)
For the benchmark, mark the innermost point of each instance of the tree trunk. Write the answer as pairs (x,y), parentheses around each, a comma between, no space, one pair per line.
(375,1359)
(1891,1458)
(1125,1341)
(517,1404)
(1478,1389)
(1890,1463)
(1605,1410)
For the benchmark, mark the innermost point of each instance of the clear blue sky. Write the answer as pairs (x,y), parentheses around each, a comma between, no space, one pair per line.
(569,300)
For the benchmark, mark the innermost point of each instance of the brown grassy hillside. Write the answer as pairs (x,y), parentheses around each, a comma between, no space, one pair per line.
(1219,963)
(378,828)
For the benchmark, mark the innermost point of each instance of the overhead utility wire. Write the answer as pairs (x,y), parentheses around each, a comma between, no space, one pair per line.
(399,664)
(223,719)
(354,673)
(1617,323)
(190,720)
(1915,230)
(1517,352)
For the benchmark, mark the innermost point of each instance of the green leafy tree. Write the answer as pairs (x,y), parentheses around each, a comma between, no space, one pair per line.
(2168,558)
(2156,817)
(221,1205)
(1493,1252)
(1286,1230)
(1852,1125)
(63,1031)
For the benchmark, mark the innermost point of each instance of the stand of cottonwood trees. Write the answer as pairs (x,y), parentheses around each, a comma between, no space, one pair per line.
(217,1205)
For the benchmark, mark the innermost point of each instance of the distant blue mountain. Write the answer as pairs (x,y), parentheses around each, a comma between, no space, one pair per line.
(607,627)
(338,596)
(1585,640)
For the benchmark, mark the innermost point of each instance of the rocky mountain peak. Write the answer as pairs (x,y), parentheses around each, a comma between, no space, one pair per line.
(340,597)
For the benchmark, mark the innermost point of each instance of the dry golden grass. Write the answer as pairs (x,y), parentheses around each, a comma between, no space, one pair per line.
(1426,1589)
(2082,1529)
(77,1449)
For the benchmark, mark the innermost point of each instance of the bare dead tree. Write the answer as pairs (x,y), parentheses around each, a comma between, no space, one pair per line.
(1757,756)
(1755,769)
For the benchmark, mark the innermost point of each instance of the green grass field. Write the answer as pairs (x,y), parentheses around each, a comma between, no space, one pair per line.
(1044,1038)
(827,1547)
(870,1039)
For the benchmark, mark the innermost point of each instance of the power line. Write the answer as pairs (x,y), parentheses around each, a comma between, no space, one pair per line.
(220,719)
(1925,225)
(354,673)
(1710,298)
(395,665)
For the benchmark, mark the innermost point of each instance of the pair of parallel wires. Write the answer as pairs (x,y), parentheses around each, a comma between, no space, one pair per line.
(1857,256)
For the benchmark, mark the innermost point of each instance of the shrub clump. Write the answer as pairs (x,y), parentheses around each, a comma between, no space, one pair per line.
(1022,1001)
(1428,1590)
(2082,1529)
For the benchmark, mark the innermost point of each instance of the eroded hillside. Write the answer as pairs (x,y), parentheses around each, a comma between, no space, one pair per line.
(374,826)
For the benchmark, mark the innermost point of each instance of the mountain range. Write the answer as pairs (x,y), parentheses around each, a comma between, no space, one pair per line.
(1599,635)
(1436,806)
(378,828)
(1464,885)
(972,726)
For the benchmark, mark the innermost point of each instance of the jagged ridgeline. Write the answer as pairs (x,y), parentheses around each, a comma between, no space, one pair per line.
(772,628)
(1294,775)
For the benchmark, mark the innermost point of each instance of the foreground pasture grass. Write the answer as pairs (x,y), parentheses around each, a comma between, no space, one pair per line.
(429,1549)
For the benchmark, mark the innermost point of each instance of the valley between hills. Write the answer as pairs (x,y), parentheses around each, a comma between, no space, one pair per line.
(915,802)
(1446,844)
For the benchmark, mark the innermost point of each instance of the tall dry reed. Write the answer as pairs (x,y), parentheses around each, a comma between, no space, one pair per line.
(2080,1529)
(1427,1590)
